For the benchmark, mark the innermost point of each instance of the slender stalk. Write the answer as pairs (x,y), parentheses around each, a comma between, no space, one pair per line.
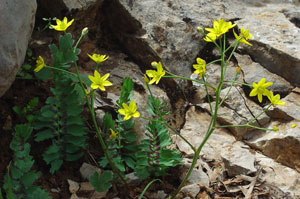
(229,89)
(237,82)
(208,98)
(145,189)
(186,78)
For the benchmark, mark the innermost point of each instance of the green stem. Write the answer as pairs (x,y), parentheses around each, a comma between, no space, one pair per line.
(265,109)
(208,98)
(236,74)
(237,82)
(209,131)
(61,70)
(148,185)
(186,78)
(244,125)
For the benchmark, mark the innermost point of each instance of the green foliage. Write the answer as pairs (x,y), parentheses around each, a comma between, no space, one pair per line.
(101,182)
(19,180)
(153,156)
(26,112)
(65,54)
(25,71)
(122,149)
(60,120)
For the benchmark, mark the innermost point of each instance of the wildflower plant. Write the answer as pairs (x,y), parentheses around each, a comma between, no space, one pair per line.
(60,119)
(20,178)
(217,35)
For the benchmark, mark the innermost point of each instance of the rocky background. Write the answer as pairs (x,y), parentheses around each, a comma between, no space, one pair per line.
(136,32)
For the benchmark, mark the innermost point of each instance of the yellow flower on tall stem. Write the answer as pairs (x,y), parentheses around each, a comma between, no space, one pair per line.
(244,36)
(99,82)
(275,100)
(40,64)
(129,111)
(200,67)
(156,75)
(219,28)
(98,58)
(260,89)
(62,25)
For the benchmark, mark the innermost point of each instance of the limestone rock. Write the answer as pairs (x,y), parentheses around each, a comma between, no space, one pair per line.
(291,109)
(238,160)
(191,190)
(87,170)
(254,72)
(194,131)
(166,30)
(16,21)
(73,186)
(276,39)
(283,145)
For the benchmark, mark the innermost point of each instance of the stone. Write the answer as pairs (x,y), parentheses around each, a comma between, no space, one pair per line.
(283,145)
(159,195)
(194,131)
(291,109)
(254,72)
(241,107)
(16,21)
(238,160)
(164,30)
(191,190)
(79,4)
(276,39)
(198,176)
(87,170)
(131,178)
(279,176)
(73,186)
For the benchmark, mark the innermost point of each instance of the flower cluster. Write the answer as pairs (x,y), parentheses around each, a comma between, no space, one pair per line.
(260,89)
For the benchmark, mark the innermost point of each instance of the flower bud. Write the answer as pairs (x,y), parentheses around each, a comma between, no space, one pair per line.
(84,31)
(275,128)
(154,64)
(238,70)
(199,29)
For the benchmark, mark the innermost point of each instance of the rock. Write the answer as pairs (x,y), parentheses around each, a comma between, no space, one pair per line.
(240,107)
(73,186)
(254,72)
(191,190)
(87,170)
(238,160)
(198,176)
(15,33)
(276,39)
(279,176)
(159,195)
(166,30)
(194,131)
(79,4)
(291,109)
(283,145)
(131,178)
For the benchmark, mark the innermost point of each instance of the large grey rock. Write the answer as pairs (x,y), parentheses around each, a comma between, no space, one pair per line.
(291,109)
(16,21)
(254,72)
(238,160)
(194,131)
(283,145)
(151,30)
(276,39)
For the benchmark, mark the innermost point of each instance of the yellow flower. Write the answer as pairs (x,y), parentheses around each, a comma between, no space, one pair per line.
(129,111)
(293,125)
(200,67)
(219,28)
(260,89)
(99,82)
(244,36)
(156,75)
(275,100)
(275,128)
(62,25)
(146,79)
(40,64)
(98,58)
(113,134)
